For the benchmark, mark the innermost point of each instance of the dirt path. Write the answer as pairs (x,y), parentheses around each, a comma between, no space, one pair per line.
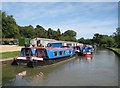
(10,48)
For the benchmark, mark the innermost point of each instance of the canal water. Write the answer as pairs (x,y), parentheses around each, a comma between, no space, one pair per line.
(100,70)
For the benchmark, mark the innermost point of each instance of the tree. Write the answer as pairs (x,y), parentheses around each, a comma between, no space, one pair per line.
(81,40)
(110,41)
(70,33)
(96,38)
(50,33)
(9,26)
(53,34)
(68,38)
(58,34)
(10,29)
(27,31)
(40,32)
(117,37)
(85,41)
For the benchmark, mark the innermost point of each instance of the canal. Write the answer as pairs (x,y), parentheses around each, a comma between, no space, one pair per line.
(100,70)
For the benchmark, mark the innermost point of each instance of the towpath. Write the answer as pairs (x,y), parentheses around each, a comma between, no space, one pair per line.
(7,59)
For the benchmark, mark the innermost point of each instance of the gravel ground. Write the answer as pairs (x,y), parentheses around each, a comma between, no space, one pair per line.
(10,48)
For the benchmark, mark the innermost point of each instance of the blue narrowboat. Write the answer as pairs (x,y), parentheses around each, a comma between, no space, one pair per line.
(84,50)
(87,51)
(52,52)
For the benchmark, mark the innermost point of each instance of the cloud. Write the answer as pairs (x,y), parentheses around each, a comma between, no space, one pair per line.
(85,18)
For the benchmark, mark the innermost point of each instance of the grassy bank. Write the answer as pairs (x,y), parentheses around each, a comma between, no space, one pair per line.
(116,50)
(9,54)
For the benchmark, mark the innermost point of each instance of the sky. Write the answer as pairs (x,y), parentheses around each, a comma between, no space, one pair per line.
(86,18)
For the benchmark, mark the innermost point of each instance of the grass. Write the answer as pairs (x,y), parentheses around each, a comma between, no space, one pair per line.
(117,50)
(9,54)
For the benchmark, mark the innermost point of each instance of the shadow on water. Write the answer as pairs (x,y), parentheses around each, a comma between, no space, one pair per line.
(99,70)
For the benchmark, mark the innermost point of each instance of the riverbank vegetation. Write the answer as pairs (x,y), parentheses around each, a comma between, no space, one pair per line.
(10,29)
(117,50)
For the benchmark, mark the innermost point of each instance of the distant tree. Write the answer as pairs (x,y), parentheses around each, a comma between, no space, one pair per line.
(70,33)
(117,37)
(68,38)
(40,32)
(50,33)
(104,40)
(27,31)
(96,38)
(10,29)
(81,40)
(9,26)
(58,34)
(110,41)
(85,41)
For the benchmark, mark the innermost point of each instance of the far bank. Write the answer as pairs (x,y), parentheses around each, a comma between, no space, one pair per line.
(115,50)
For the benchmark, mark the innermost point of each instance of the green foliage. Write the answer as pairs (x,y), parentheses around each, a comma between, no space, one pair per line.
(9,26)
(27,31)
(12,30)
(99,40)
(81,40)
(70,33)
(40,32)
(116,50)
(117,36)
(68,38)
(104,40)
(85,41)
(96,38)
(52,34)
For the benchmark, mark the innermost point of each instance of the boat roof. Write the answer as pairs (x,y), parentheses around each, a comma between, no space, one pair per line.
(58,48)
(49,48)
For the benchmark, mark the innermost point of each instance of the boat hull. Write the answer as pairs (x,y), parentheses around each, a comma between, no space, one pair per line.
(32,56)
(36,63)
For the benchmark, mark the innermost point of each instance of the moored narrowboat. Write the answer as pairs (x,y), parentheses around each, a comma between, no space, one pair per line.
(87,51)
(38,54)
(84,50)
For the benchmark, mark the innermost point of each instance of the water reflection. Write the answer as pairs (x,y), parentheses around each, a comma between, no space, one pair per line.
(85,58)
(89,58)
(23,73)
(25,78)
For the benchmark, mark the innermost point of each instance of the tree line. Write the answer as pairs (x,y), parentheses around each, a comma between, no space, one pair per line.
(103,40)
(10,29)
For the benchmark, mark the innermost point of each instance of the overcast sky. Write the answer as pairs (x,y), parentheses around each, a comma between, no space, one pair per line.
(86,18)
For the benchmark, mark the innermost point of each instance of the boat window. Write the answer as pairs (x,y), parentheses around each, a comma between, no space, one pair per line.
(45,53)
(40,53)
(55,53)
(70,51)
(64,52)
(26,52)
(60,52)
